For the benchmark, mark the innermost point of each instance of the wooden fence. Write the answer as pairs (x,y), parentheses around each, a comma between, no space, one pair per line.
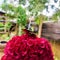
(51,30)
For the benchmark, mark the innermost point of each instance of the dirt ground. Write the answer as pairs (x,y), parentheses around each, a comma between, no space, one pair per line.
(1,54)
(56,50)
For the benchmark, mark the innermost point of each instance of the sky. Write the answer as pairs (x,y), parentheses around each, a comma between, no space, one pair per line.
(1,1)
(50,11)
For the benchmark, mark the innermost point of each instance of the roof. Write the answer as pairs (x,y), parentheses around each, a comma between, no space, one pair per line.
(2,13)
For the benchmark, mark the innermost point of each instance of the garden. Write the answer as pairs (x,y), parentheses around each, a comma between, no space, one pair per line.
(30,16)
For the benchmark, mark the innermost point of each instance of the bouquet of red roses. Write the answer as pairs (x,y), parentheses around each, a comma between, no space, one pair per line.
(27,47)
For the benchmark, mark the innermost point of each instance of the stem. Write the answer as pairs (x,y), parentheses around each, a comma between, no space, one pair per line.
(20,31)
(29,26)
(17,30)
(40,28)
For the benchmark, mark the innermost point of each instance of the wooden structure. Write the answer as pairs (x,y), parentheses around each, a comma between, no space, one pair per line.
(51,30)
(2,22)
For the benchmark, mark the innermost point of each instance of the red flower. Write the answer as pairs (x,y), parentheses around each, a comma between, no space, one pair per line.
(28,47)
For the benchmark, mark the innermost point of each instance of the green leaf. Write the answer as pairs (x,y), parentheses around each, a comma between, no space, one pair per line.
(8,25)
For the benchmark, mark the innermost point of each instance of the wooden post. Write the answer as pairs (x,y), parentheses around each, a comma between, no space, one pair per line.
(40,25)
(40,28)
(17,29)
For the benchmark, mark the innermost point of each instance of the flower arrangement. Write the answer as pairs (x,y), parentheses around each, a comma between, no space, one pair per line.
(27,47)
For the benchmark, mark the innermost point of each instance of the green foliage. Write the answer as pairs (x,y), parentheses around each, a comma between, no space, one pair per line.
(5,1)
(10,16)
(36,6)
(1,25)
(8,7)
(22,2)
(5,37)
(8,25)
(21,16)
(4,6)
(56,15)
(18,12)
(39,18)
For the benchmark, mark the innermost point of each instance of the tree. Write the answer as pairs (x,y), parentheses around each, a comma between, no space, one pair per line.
(56,15)
(19,14)
(39,21)
(35,7)
(8,8)
(21,18)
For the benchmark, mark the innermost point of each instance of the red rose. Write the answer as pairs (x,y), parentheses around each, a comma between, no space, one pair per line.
(28,47)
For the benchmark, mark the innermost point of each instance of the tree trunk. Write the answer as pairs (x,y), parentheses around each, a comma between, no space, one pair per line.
(8,33)
(40,28)
(20,29)
(17,29)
